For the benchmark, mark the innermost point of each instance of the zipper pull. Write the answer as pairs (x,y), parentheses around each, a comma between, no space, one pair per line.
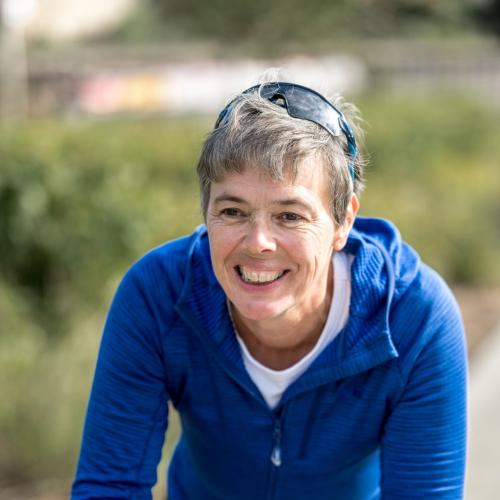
(276,453)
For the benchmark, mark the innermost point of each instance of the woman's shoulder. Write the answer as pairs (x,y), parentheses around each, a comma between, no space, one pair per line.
(161,272)
(172,256)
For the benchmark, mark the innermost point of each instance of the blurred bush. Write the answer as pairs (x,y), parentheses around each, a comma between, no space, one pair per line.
(80,201)
(267,26)
(435,172)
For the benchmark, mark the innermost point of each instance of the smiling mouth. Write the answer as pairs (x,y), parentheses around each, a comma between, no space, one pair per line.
(259,278)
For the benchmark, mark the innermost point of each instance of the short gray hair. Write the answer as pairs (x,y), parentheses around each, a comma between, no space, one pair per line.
(261,135)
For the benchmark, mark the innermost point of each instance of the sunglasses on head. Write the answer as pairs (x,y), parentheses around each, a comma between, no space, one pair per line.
(305,104)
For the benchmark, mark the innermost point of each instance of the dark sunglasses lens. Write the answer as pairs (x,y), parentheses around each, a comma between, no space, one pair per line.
(304,104)
(316,111)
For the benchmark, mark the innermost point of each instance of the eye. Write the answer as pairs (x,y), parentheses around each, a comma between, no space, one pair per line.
(231,212)
(290,217)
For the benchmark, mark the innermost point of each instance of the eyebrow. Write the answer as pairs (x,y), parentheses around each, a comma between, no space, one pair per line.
(224,197)
(229,197)
(293,201)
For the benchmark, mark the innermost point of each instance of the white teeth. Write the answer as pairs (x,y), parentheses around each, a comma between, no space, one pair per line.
(259,277)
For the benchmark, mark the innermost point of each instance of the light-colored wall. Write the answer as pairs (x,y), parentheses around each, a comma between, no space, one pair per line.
(70,19)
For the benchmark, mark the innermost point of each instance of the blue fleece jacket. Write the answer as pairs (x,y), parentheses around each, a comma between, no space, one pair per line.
(379,414)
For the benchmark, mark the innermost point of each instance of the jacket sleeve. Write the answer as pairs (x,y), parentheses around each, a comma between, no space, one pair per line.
(127,411)
(424,443)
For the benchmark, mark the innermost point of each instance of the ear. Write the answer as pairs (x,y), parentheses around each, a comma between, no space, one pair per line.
(342,232)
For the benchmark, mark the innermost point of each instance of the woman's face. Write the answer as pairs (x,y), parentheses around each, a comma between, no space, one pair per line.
(271,242)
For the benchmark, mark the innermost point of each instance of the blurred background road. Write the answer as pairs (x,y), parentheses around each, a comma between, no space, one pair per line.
(484,408)
(103,108)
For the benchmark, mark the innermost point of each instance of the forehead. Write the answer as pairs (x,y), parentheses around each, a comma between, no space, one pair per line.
(309,183)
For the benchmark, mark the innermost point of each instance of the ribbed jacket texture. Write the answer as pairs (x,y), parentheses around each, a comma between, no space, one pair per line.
(381,413)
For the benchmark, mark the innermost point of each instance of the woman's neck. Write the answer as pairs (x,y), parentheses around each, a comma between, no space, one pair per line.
(279,343)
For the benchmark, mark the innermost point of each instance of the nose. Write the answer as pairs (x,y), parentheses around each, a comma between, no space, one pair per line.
(259,238)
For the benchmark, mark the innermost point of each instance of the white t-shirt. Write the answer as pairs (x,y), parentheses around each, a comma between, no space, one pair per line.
(273,383)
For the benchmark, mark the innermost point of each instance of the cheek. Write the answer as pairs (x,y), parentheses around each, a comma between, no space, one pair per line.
(221,245)
(320,242)
(312,252)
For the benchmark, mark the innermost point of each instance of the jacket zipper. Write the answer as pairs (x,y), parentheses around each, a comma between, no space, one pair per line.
(276,454)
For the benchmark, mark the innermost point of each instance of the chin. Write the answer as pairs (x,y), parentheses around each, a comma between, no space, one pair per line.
(258,312)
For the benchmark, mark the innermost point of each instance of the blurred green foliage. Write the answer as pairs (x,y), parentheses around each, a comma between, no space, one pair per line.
(486,13)
(267,25)
(435,172)
(79,201)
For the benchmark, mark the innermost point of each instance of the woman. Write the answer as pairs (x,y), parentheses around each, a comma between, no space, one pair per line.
(309,352)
